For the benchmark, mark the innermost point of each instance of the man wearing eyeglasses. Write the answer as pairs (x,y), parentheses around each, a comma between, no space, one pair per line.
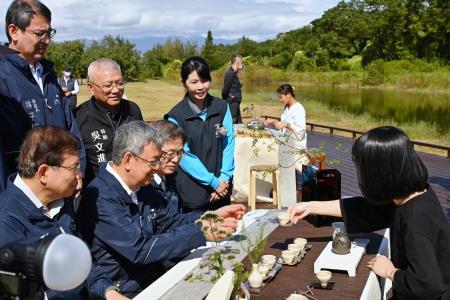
(121,223)
(30,95)
(99,117)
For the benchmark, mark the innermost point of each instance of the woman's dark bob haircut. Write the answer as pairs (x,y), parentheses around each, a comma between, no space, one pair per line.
(388,167)
(285,89)
(197,64)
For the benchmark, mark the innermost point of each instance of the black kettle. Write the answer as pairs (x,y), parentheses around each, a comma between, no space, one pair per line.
(341,244)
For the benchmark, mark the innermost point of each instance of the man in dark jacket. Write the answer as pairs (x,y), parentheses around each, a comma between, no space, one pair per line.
(30,95)
(33,205)
(121,214)
(231,91)
(70,87)
(99,117)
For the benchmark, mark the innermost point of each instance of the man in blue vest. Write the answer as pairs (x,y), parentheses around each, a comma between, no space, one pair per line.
(70,87)
(30,95)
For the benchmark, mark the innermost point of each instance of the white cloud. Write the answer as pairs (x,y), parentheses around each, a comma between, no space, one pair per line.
(258,19)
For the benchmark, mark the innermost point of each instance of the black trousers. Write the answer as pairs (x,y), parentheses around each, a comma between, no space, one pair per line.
(235,109)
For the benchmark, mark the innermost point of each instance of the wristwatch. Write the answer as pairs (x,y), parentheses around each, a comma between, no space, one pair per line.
(111,288)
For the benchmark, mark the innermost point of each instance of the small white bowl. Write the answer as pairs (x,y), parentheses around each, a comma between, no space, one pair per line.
(283,218)
(323,277)
(300,241)
(297,297)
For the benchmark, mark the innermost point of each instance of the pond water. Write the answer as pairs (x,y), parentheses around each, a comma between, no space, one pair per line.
(398,105)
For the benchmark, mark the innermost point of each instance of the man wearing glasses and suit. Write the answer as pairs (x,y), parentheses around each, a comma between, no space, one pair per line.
(99,117)
(128,232)
(30,95)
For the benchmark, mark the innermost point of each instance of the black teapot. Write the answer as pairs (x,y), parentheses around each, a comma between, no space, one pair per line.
(341,244)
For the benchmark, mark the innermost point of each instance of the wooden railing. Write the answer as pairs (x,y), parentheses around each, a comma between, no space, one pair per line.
(355,133)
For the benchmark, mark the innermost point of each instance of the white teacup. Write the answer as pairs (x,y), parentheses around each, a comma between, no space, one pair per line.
(269,260)
(288,256)
(324,277)
(300,241)
(297,297)
(263,269)
(295,247)
(283,218)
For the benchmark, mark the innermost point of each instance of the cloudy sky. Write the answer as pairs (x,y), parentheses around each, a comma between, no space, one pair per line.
(229,19)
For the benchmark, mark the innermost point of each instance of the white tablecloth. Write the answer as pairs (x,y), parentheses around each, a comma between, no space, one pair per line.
(245,157)
(175,275)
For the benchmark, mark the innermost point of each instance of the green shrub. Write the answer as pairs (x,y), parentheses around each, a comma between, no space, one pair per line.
(375,73)
(355,63)
(302,63)
(171,71)
(281,60)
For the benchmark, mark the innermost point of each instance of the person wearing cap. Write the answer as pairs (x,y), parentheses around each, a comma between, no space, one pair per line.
(70,87)
(30,95)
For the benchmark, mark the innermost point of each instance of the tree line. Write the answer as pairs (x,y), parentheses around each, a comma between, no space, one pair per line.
(349,36)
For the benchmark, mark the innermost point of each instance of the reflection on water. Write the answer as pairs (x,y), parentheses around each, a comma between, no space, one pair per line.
(398,105)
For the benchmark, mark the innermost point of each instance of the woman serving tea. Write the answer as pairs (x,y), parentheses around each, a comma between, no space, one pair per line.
(393,181)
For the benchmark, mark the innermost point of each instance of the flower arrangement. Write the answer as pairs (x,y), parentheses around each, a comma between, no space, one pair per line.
(214,261)
(304,156)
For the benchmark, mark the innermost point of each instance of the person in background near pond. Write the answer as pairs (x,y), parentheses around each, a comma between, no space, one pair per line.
(204,179)
(100,116)
(39,199)
(231,91)
(70,87)
(30,95)
(130,233)
(293,118)
(393,181)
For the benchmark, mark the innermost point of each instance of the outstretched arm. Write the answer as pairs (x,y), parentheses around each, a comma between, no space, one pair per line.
(326,208)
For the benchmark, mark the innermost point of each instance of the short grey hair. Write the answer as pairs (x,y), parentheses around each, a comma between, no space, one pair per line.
(103,64)
(235,57)
(133,137)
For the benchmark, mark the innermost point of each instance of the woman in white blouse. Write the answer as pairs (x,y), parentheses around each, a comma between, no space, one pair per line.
(293,118)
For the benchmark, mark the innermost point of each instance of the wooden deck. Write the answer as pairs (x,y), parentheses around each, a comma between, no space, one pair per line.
(339,148)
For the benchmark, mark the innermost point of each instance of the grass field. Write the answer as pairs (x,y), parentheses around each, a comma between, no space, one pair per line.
(156,98)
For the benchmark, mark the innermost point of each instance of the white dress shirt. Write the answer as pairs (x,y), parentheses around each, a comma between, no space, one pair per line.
(37,74)
(113,172)
(55,206)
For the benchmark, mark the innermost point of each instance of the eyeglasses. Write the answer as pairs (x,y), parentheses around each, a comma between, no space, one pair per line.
(151,164)
(42,35)
(172,154)
(76,169)
(107,88)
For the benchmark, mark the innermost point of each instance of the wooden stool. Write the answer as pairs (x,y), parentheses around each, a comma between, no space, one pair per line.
(252,184)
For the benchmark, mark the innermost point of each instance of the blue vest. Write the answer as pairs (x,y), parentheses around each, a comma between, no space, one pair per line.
(205,142)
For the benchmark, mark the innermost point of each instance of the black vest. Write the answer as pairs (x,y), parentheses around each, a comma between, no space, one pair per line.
(205,142)
(72,99)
